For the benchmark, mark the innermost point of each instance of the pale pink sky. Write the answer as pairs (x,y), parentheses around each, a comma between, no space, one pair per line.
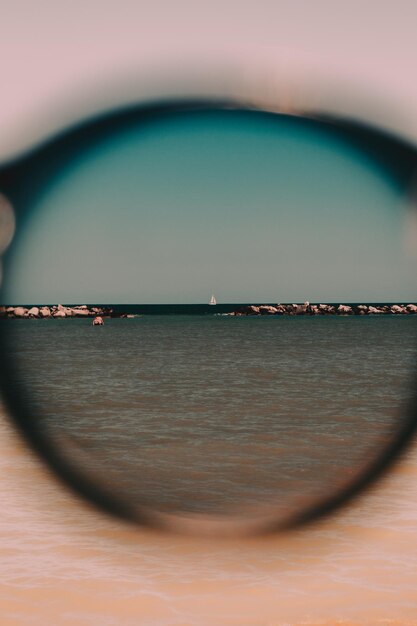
(60,61)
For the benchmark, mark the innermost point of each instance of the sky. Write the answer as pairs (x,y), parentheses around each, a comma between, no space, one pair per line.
(57,66)
(59,63)
(250,207)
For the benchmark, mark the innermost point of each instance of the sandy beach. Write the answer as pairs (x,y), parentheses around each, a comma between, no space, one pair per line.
(62,563)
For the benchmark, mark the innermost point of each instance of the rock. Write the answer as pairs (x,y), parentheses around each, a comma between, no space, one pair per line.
(373,309)
(80,312)
(266,309)
(45,312)
(301,309)
(411,308)
(248,310)
(327,309)
(280,308)
(291,309)
(20,311)
(397,309)
(363,309)
(344,309)
(60,313)
(33,312)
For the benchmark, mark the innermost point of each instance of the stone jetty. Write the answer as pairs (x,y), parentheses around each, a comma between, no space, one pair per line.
(55,311)
(325,309)
(60,311)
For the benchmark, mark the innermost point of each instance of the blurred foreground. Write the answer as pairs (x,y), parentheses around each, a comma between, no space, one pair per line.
(61,563)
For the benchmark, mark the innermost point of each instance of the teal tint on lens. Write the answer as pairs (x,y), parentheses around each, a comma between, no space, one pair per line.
(259,208)
(185,408)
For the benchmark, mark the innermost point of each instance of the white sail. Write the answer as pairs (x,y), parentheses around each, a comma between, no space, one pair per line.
(212,300)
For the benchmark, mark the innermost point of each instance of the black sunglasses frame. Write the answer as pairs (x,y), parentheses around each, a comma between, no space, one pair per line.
(22,180)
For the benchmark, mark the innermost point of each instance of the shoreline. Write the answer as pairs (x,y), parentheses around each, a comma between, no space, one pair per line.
(60,311)
(326,309)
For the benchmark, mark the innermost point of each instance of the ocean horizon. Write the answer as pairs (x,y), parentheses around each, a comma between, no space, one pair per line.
(197,308)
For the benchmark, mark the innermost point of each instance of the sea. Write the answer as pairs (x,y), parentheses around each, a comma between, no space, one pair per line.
(200,416)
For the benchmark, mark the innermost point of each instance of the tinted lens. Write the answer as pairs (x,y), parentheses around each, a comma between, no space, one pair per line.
(182,407)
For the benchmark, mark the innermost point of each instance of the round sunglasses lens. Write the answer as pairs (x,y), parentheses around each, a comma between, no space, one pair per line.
(193,398)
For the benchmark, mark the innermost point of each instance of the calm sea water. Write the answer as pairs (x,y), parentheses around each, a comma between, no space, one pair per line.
(212,414)
(62,563)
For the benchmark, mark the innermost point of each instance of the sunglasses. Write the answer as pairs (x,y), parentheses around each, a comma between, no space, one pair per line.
(208,317)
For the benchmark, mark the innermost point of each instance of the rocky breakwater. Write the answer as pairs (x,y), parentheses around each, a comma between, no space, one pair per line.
(325,309)
(53,312)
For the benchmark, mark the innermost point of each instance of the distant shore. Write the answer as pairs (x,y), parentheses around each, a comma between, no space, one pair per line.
(55,311)
(326,309)
(60,311)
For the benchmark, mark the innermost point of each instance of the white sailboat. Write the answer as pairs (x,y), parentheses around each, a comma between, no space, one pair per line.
(212,300)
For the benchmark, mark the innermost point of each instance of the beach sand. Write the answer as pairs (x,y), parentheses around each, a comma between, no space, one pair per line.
(63,563)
